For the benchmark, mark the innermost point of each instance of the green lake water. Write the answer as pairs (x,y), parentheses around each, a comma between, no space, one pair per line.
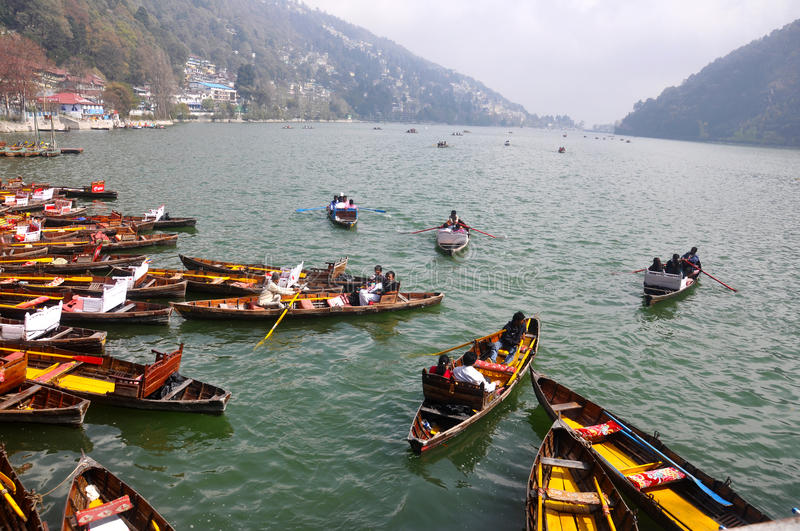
(315,434)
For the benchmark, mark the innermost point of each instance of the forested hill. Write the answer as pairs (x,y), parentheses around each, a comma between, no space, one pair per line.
(752,95)
(280,47)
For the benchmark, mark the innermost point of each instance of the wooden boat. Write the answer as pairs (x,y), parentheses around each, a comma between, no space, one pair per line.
(686,498)
(568,488)
(452,241)
(125,241)
(25,402)
(332,275)
(115,219)
(346,217)
(59,263)
(147,286)
(110,308)
(43,328)
(71,150)
(211,282)
(659,286)
(116,382)
(22,252)
(449,407)
(95,191)
(307,305)
(16,499)
(98,499)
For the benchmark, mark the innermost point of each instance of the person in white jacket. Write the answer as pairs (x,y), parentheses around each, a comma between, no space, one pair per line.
(270,296)
(468,373)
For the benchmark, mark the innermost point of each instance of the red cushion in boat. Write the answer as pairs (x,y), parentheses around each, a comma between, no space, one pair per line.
(598,431)
(488,365)
(651,478)
(33,302)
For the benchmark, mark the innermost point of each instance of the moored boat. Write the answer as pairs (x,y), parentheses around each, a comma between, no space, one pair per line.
(452,241)
(97,190)
(449,407)
(118,242)
(307,305)
(18,508)
(60,263)
(568,488)
(112,381)
(333,275)
(659,286)
(98,499)
(43,328)
(675,493)
(26,402)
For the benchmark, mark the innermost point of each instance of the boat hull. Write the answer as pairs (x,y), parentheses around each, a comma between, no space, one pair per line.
(450,242)
(41,405)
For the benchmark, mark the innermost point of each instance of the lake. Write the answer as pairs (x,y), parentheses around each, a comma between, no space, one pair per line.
(315,434)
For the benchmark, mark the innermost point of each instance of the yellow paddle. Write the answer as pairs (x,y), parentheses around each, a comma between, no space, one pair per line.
(604,504)
(540,501)
(278,321)
(457,346)
(5,480)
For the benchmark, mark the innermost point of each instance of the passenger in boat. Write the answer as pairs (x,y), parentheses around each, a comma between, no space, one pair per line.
(443,367)
(389,283)
(510,338)
(656,265)
(674,266)
(352,204)
(377,277)
(469,374)
(692,258)
(270,296)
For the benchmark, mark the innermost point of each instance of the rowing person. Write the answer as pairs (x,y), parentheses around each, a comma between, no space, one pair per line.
(510,338)
(692,258)
(454,222)
(270,296)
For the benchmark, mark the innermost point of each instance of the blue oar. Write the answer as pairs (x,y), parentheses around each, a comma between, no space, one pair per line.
(373,210)
(315,208)
(627,431)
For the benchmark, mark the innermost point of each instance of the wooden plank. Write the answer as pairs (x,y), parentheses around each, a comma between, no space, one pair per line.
(586,498)
(19,397)
(125,308)
(61,334)
(178,389)
(565,463)
(566,406)
(443,414)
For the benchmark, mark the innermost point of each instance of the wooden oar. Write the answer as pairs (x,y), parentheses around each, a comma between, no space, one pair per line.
(636,438)
(456,347)
(621,272)
(92,360)
(697,268)
(5,480)
(373,210)
(418,231)
(540,501)
(478,230)
(306,209)
(604,504)
(278,321)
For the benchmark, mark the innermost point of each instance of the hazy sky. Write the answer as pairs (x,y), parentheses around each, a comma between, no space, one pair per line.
(590,59)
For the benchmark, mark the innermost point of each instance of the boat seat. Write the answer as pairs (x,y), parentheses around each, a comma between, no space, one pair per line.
(567,496)
(96,286)
(126,308)
(639,468)
(448,414)
(390,297)
(566,406)
(655,478)
(54,371)
(441,390)
(305,304)
(565,463)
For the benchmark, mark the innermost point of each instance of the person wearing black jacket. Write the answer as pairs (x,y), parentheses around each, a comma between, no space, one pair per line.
(510,338)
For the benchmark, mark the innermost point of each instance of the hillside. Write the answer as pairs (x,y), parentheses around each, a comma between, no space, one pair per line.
(286,54)
(752,95)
